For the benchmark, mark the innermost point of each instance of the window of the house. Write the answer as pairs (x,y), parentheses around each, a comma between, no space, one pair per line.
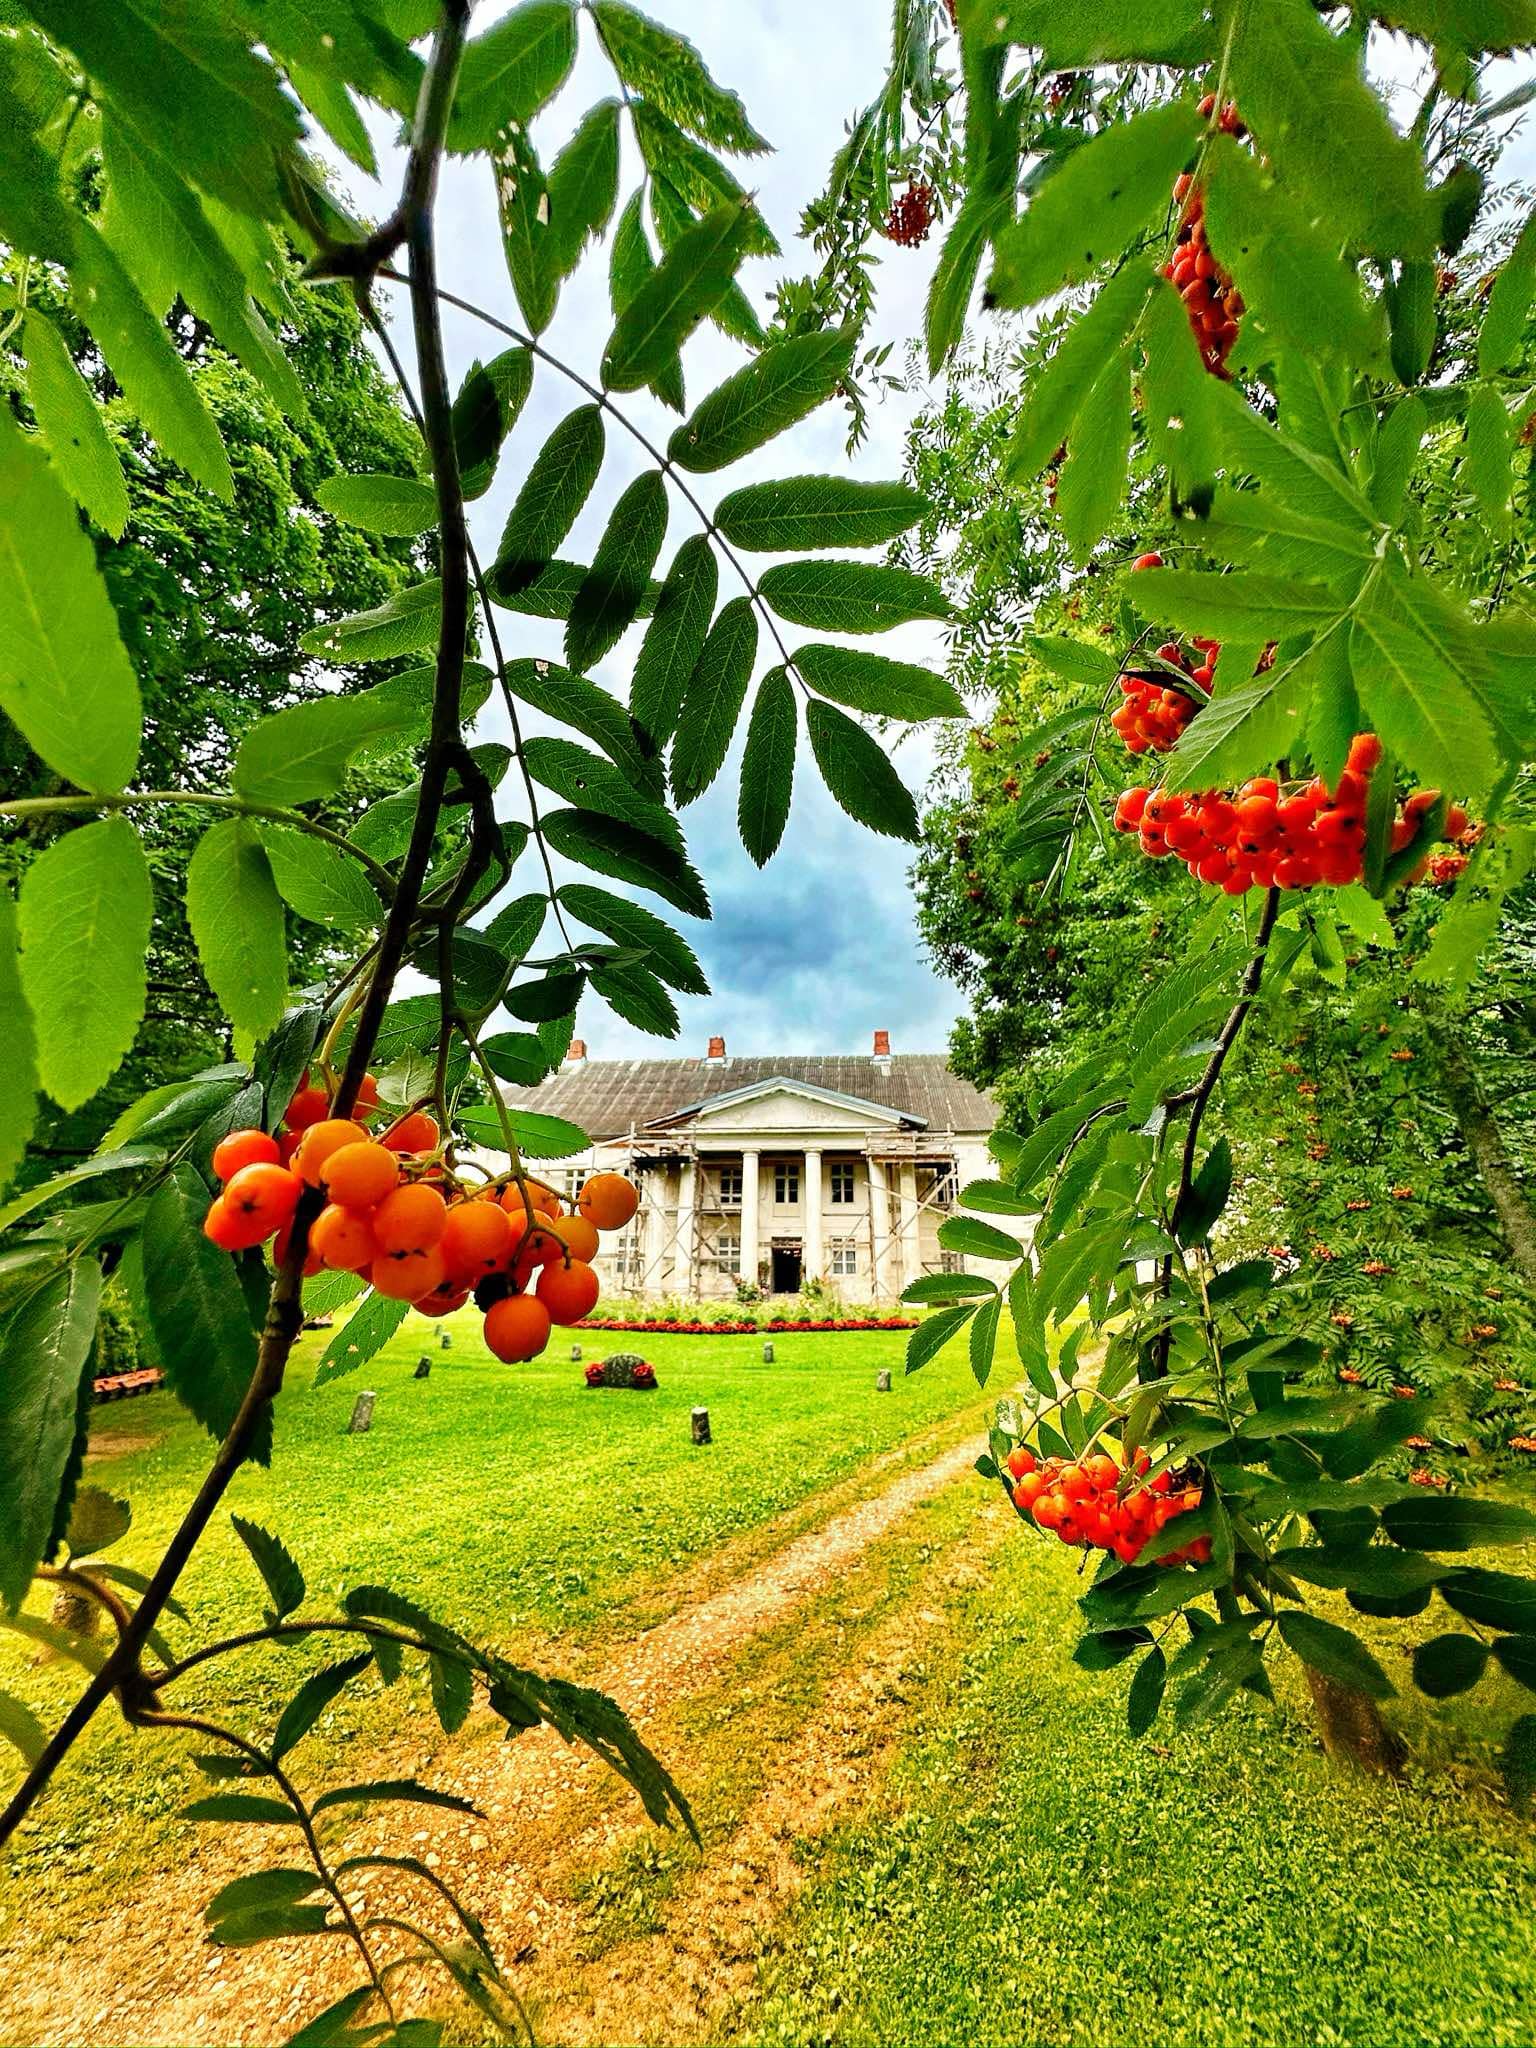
(842,1257)
(786,1184)
(842,1180)
(730,1187)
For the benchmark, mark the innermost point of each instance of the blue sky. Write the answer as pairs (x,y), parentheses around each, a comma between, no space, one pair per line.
(819,949)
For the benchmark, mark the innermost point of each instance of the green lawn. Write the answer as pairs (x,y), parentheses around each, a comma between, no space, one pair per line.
(1031,1876)
(511,1500)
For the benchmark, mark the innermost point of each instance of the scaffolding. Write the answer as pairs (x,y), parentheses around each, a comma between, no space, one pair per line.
(683,1240)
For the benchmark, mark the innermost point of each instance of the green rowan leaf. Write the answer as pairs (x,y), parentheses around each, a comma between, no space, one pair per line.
(33,215)
(665,69)
(65,679)
(1292,274)
(799,513)
(1087,210)
(1246,726)
(1335,1652)
(587,708)
(763,398)
(197,1311)
(523,208)
(1303,94)
(45,1343)
(188,79)
(297,755)
(675,639)
(1421,706)
(850,597)
(143,359)
(875,683)
(402,505)
(583,186)
(509,71)
(635,994)
(1486,466)
(553,492)
(631,924)
(361,1337)
(312,1699)
(406,623)
(279,1571)
(1246,606)
(596,784)
(1053,399)
(318,880)
(237,923)
(712,700)
(606,604)
(1072,37)
(935,1331)
(630,264)
(684,289)
(768,767)
(487,408)
(168,246)
(18,1070)
(858,773)
(611,847)
(691,173)
(70,423)
(1456,1522)
(85,913)
(1509,304)
(1098,450)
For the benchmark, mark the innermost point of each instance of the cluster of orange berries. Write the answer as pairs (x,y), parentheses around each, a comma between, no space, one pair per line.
(1098,1504)
(395,1217)
(1211,300)
(911,216)
(1152,715)
(1267,836)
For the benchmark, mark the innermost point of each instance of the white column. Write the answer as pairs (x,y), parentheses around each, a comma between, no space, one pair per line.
(909,1225)
(810,1189)
(751,1251)
(880,1215)
(654,1245)
(682,1256)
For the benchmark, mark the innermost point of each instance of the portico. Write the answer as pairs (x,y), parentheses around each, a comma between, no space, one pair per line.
(775,1174)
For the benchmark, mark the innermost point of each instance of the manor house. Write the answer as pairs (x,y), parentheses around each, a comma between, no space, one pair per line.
(773,1170)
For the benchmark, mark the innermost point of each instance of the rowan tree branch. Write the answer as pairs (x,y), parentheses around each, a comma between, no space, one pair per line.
(121,1673)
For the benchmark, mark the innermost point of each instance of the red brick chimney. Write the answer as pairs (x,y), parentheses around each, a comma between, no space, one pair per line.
(882,1045)
(578,1050)
(716,1053)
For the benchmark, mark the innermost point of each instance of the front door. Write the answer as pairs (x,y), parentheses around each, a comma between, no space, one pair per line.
(786,1269)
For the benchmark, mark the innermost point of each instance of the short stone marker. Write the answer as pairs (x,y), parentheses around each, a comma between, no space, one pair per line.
(883,1382)
(701,1433)
(445,1340)
(575,1354)
(768,1354)
(362,1414)
(423,1369)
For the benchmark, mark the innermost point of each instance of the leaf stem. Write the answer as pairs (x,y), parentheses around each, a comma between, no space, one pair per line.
(208,800)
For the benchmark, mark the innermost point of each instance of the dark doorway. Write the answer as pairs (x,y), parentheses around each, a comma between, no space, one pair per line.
(786,1269)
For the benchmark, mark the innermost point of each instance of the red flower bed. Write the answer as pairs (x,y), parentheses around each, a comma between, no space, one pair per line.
(751,1329)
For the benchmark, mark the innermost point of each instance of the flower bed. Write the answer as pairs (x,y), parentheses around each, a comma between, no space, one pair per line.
(624,1369)
(701,1329)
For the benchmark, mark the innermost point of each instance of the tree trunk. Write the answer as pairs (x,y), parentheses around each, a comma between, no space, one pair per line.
(1485,1142)
(1352,1729)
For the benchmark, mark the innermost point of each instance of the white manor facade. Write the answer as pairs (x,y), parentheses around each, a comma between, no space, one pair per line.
(775,1171)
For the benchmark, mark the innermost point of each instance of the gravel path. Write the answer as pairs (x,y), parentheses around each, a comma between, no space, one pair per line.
(150,1979)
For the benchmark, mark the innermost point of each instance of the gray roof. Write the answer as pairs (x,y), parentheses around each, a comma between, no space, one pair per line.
(607,1097)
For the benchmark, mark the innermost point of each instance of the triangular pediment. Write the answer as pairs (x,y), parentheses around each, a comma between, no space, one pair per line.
(780,1100)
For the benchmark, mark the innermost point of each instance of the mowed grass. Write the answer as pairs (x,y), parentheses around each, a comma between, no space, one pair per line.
(1029,1875)
(512,1501)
